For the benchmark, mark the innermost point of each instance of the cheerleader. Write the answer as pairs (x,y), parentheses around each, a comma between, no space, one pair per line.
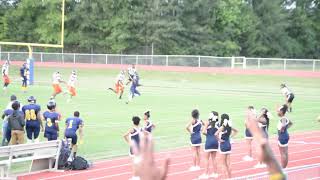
(194,128)
(148,125)
(248,136)
(283,136)
(211,145)
(132,137)
(263,123)
(264,147)
(223,134)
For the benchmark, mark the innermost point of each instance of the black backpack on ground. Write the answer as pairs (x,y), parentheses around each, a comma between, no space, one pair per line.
(64,155)
(79,163)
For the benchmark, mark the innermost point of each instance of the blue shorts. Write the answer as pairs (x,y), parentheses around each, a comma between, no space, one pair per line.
(283,140)
(211,144)
(73,136)
(51,135)
(24,79)
(196,139)
(225,147)
(131,154)
(248,134)
(33,130)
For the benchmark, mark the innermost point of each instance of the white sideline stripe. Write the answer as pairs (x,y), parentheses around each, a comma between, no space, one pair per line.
(297,160)
(128,164)
(127,157)
(314,178)
(288,170)
(298,142)
(303,142)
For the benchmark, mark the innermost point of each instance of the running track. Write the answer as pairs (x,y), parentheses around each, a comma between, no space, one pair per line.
(304,163)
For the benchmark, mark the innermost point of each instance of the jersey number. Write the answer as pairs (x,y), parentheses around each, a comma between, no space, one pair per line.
(30,115)
(49,122)
(70,124)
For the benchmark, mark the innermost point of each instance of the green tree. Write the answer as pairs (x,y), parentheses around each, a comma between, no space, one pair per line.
(270,37)
(302,29)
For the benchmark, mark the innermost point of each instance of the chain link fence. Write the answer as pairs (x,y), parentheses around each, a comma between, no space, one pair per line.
(170,60)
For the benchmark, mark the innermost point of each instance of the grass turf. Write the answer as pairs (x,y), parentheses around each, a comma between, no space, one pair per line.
(170,96)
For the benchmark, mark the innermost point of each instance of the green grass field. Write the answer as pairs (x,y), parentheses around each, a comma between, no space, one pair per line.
(170,96)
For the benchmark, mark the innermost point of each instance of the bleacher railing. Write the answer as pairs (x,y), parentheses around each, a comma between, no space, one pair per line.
(170,60)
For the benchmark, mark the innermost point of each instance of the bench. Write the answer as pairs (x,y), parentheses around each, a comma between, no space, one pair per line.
(43,156)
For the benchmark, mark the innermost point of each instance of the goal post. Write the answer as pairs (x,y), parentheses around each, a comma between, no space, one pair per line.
(30,60)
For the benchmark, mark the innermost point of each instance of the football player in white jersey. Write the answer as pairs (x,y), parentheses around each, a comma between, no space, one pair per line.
(72,85)
(5,75)
(289,96)
(131,73)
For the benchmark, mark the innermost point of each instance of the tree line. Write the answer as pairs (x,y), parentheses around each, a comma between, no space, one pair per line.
(252,28)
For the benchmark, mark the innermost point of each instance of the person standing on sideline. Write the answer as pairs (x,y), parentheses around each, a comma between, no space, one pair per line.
(283,136)
(73,124)
(148,125)
(211,146)
(6,131)
(132,137)
(224,133)
(248,136)
(32,115)
(16,123)
(194,128)
(51,119)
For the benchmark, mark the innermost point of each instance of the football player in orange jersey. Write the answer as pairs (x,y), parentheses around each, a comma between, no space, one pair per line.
(119,84)
(56,80)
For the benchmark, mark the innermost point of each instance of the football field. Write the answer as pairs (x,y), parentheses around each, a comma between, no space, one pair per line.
(170,96)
